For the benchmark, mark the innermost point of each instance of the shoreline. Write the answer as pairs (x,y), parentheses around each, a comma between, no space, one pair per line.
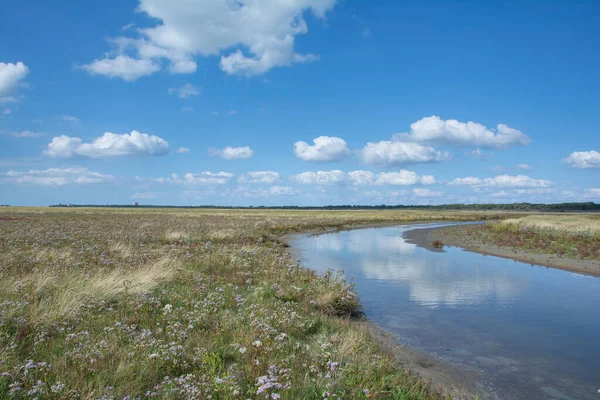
(450,236)
(454,381)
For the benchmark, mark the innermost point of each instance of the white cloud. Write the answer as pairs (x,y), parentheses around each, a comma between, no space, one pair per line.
(185,91)
(428,180)
(207,178)
(394,153)
(535,191)
(183,150)
(252,37)
(592,193)
(524,167)
(122,66)
(479,154)
(25,134)
(173,178)
(273,191)
(583,159)
(321,177)
(144,195)
(232,112)
(503,181)
(214,113)
(108,145)
(57,177)
(11,77)
(68,118)
(269,177)
(468,181)
(501,193)
(233,153)
(419,192)
(435,129)
(325,148)
(403,178)
(361,177)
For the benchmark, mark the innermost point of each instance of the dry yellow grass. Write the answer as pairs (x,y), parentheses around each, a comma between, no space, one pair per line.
(580,223)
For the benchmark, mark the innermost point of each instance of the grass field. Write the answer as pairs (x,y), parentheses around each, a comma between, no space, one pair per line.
(98,303)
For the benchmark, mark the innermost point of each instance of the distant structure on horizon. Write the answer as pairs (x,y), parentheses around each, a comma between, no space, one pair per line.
(135,204)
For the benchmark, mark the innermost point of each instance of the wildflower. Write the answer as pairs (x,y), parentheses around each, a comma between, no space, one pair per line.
(332,365)
(167,309)
(58,387)
(257,343)
(243,350)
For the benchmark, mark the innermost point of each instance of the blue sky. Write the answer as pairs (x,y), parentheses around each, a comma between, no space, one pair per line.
(303,102)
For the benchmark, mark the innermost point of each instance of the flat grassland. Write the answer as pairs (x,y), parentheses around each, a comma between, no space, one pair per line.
(110,303)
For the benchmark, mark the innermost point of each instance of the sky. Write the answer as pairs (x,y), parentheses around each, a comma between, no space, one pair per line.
(299,102)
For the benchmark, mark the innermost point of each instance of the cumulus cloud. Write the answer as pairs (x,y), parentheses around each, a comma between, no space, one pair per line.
(269,177)
(11,78)
(252,37)
(435,129)
(233,153)
(321,177)
(419,192)
(57,177)
(273,191)
(395,153)
(108,145)
(428,180)
(122,66)
(185,91)
(207,178)
(183,150)
(583,159)
(502,181)
(361,177)
(524,167)
(325,148)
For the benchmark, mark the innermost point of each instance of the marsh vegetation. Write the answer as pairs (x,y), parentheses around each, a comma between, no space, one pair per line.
(185,304)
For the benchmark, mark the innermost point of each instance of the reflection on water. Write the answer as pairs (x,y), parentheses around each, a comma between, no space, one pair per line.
(532,331)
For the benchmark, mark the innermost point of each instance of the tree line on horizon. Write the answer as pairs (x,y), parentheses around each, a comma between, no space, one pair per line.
(556,207)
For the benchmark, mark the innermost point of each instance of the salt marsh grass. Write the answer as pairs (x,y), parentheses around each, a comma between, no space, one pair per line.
(576,223)
(184,304)
(569,235)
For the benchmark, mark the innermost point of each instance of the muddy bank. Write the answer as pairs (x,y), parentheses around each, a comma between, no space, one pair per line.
(453,381)
(465,237)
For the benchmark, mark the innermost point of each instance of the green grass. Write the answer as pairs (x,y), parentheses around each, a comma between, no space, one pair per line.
(184,304)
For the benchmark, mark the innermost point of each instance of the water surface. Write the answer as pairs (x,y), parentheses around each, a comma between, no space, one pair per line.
(532,331)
